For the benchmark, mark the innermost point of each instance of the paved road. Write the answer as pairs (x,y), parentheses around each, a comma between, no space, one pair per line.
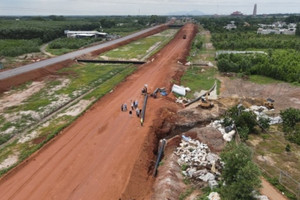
(72,55)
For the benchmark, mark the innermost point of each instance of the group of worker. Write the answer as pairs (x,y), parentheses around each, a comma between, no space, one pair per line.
(134,107)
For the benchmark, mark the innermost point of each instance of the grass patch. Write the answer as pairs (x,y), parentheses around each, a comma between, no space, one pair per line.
(138,49)
(5,138)
(186,181)
(59,52)
(64,45)
(110,84)
(272,148)
(184,167)
(275,182)
(89,76)
(6,126)
(263,79)
(186,193)
(198,80)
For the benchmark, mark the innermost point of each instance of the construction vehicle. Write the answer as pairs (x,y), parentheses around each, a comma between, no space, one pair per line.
(269,103)
(205,103)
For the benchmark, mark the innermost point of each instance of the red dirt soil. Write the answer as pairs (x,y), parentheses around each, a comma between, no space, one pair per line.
(105,154)
(270,191)
(6,84)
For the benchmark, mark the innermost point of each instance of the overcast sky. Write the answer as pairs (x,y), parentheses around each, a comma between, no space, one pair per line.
(143,7)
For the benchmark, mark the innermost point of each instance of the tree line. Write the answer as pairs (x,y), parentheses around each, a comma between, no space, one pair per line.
(278,64)
(252,40)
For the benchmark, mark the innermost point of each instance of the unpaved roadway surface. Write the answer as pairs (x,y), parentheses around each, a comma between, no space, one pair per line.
(102,155)
(272,193)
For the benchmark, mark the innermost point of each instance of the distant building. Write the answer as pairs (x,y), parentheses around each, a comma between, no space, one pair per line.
(84,34)
(237,13)
(255,10)
(230,26)
(277,28)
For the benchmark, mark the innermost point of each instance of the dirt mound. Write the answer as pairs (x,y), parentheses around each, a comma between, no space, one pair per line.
(168,184)
(208,135)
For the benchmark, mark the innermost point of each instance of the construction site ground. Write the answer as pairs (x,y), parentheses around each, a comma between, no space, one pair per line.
(105,153)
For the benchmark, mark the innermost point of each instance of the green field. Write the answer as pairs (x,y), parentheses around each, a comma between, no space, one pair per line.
(64,45)
(198,78)
(14,47)
(141,48)
(271,156)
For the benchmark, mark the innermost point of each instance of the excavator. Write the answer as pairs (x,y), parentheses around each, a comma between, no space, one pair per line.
(205,103)
(269,103)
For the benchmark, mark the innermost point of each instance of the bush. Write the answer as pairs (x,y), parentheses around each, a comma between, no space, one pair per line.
(72,43)
(240,174)
(264,122)
(280,64)
(244,121)
(19,47)
(290,119)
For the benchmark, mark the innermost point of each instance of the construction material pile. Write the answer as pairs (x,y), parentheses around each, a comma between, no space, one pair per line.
(199,163)
(227,132)
(261,111)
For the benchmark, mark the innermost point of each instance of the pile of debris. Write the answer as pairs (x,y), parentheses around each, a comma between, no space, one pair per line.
(227,132)
(182,100)
(199,162)
(261,111)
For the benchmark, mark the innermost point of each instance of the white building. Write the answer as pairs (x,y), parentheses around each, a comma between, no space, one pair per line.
(230,26)
(84,34)
(277,28)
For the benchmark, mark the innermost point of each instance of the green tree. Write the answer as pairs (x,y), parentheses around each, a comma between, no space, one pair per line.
(298,29)
(240,175)
(290,118)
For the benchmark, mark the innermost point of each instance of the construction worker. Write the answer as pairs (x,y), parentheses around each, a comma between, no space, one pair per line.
(137,111)
(144,90)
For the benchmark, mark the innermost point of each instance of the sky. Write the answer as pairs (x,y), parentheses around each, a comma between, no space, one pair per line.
(144,7)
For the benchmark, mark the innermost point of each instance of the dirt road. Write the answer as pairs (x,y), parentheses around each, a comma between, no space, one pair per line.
(97,156)
(272,193)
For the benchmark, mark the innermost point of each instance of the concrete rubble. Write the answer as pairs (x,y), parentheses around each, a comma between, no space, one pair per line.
(261,111)
(202,165)
(261,197)
(214,196)
(227,132)
(182,100)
